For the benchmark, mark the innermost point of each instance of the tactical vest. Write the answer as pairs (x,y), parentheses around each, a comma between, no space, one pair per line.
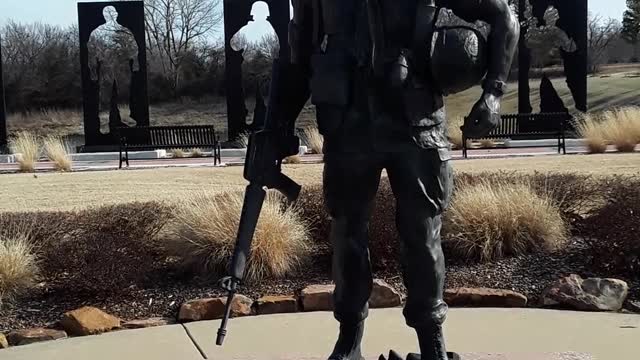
(451,58)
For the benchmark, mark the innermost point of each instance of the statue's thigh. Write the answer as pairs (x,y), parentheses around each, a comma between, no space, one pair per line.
(350,183)
(421,182)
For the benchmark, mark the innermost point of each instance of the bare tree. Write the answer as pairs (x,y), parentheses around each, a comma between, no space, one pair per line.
(174,26)
(269,46)
(601,33)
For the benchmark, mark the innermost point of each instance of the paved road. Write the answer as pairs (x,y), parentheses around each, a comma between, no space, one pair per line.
(491,334)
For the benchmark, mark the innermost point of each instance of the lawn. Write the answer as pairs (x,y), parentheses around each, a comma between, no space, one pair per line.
(65,191)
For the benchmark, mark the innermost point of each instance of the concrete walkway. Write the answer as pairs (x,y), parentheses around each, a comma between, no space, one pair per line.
(112,164)
(491,334)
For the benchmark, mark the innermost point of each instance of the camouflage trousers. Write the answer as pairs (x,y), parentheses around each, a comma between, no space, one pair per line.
(421,182)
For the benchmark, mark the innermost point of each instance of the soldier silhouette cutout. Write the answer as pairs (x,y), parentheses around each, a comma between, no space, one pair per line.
(107,71)
(253,26)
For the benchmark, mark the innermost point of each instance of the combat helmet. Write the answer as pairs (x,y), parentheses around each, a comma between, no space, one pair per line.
(458,58)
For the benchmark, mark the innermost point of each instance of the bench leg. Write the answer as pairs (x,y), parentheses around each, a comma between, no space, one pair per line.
(464,147)
(218,154)
(126,151)
(120,158)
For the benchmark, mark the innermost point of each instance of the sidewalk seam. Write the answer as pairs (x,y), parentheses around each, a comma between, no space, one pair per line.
(195,343)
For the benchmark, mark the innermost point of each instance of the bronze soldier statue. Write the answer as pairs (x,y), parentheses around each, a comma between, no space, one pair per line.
(373,71)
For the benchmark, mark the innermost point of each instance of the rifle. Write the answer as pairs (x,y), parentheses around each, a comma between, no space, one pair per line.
(273,141)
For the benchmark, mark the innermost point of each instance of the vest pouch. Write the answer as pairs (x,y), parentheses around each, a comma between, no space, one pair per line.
(331,79)
(423,106)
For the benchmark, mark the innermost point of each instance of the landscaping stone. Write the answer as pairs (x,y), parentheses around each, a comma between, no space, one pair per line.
(593,294)
(484,297)
(213,308)
(276,305)
(88,321)
(384,295)
(147,323)
(30,336)
(3,342)
(317,298)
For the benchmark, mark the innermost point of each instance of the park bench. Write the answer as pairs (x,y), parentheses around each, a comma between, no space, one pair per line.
(168,137)
(536,126)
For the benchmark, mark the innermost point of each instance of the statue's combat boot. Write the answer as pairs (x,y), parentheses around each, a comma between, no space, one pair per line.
(432,347)
(348,346)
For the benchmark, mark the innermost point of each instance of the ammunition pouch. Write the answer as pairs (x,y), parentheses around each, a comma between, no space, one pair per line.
(332,79)
(331,87)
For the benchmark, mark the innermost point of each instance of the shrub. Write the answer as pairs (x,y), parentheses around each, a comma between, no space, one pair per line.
(204,232)
(490,220)
(27,146)
(19,266)
(58,152)
(178,153)
(613,230)
(314,139)
(575,195)
(107,249)
(313,210)
(592,131)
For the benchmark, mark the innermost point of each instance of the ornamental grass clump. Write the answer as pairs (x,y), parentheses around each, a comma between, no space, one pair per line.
(19,265)
(592,131)
(493,220)
(203,234)
(26,146)
(58,152)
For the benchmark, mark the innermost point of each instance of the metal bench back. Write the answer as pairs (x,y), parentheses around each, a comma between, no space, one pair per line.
(169,136)
(515,125)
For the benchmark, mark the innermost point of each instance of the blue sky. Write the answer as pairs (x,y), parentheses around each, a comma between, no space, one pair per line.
(63,12)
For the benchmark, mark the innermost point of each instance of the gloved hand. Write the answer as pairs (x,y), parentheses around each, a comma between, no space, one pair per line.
(484,117)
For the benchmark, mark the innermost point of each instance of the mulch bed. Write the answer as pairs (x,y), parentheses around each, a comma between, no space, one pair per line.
(165,291)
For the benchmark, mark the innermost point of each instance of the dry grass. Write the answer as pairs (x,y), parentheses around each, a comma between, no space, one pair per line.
(27,146)
(454,133)
(590,129)
(619,127)
(314,139)
(79,190)
(243,140)
(196,153)
(295,159)
(19,266)
(178,153)
(48,122)
(490,220)
(204,230)
(487,143)
(58,152)
(622,127)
